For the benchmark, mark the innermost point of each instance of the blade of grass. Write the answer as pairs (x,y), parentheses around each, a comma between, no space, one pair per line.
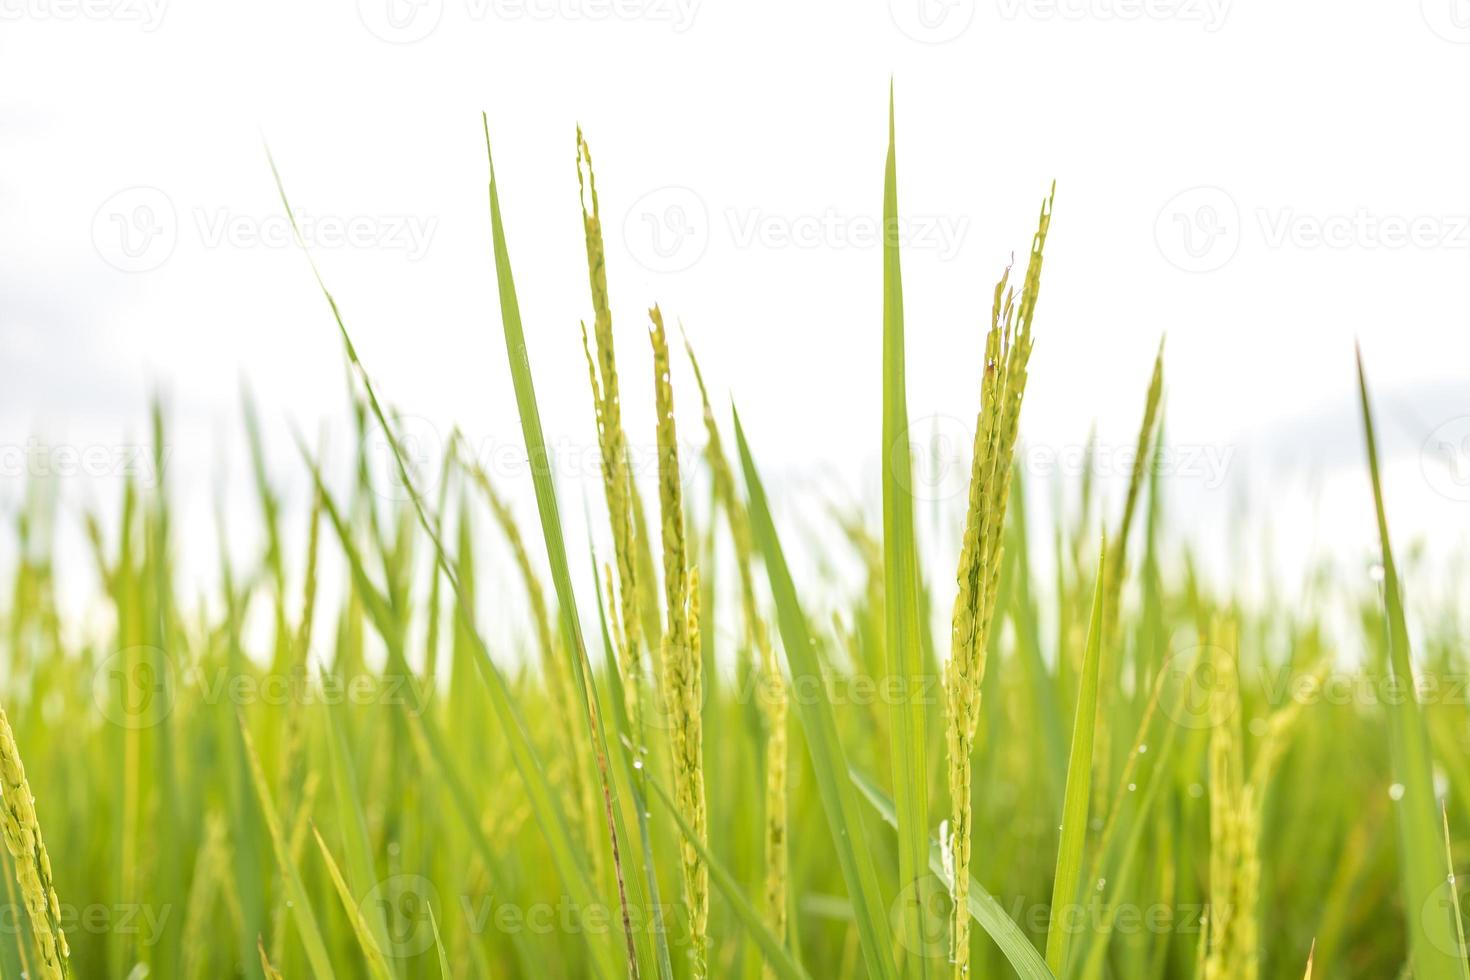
(556,554)
(905,650)
(306,924)
(353,821)
(1075,807)
(984,908)
(829,761)
(444,972)
(1421,866)
(372,951)
(777,957)
(543,798)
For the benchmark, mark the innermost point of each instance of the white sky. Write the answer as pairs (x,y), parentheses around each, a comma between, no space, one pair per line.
(1203,149)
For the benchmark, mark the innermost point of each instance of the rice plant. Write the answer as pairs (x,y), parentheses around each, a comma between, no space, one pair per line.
(1115,768)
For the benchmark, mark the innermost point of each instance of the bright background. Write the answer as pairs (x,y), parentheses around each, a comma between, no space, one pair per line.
(1263,183)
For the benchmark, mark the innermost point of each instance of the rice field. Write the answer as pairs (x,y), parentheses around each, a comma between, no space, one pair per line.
(1106,769)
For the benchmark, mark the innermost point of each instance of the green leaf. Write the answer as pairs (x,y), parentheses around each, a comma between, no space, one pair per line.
(1433,923)
(902,609)
(819,721)
(1076,804)
(306,924)
(556,556)
(984,909)
(777,956)
(372,949)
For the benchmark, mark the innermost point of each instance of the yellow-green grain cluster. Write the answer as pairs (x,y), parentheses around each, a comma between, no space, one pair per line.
(32,864)
(1002,385)
(682,684)
(622,507)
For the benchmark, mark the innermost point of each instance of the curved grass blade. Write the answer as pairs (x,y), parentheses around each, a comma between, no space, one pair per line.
(829,761)
(1079,783)
(984,909)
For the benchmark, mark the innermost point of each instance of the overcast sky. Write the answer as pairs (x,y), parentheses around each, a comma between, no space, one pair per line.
(1263,183)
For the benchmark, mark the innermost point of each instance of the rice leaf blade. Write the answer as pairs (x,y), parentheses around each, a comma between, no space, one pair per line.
(829,760)
(1077,801)
(904,646)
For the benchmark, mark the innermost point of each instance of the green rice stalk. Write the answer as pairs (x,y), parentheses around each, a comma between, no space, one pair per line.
(682,666)
(602,371)
(1003,383)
